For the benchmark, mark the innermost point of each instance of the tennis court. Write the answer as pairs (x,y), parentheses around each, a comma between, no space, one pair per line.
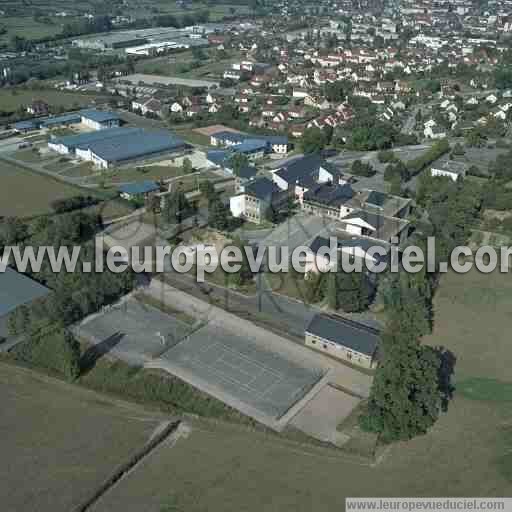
(133,331)
(229,365)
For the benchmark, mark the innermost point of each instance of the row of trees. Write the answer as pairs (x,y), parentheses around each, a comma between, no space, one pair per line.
(74,294)
(352,292)
(412,384)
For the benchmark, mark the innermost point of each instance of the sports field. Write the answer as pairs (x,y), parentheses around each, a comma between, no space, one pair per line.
(133,331)
(230,365)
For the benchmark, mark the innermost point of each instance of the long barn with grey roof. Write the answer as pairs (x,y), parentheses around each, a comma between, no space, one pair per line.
(343,339)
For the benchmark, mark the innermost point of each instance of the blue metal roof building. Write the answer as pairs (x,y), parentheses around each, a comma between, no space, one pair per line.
(74,141)
(136,189)
(25,126)
(234,138)
(133,145)
(63,120)
(251,147)
(118,145)
(99,116)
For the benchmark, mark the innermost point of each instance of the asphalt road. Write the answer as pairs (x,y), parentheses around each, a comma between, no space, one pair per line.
(276,312)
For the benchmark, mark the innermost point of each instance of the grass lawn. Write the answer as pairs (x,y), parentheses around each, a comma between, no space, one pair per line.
(112,208)
(290,284)
(486,389)
(25,194)
(131,174)
(28,155)
(248,470)
(81,170)
(58,165)
(193,137)
(28,28)
(179,65)
(12,99)
(56,433)
(472,316)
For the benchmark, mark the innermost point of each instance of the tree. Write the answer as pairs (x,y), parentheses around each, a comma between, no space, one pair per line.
(475,138)
(360,168)
(406,396)
(353,291)
(313,140)
(19,320)
(458,150)
(385,157)
(347,291)
(208,190)
(187,166)
(332,290)
(52,346)
(12,231)
(244,275)
(176,207)
(238,161)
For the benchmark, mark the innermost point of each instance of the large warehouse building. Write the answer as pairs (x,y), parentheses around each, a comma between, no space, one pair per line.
(116,146)
(94,119)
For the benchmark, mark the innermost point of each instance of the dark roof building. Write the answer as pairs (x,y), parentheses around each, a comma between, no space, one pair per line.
(307,171)
(132,190)
(329,194)
(262,188)
(344,339)
(276,144)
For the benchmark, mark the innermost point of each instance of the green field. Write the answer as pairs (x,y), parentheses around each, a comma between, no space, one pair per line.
(131,174)
(27,27)
(62,441)
(12,99)
(191,136)
(178,65)
(25,194)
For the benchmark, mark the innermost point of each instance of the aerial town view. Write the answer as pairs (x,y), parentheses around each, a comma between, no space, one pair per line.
(254,255)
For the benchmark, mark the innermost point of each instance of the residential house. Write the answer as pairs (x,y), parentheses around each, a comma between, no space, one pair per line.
(137,191)
(38,108)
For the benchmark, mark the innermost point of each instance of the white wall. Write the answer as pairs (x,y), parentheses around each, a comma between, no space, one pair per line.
(59,148)
(282,184)
(237,205)
(324,176)
(441,172)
